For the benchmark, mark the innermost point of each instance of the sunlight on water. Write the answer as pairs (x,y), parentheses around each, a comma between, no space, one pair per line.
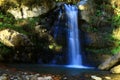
(79,66)
(70,66)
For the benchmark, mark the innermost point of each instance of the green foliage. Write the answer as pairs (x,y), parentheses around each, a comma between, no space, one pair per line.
(115,50)
(98,13)
(33,21)
(106,20)
(26,26)
(1,15)
(91,29)
(116,20)
(8,21)
(108,50)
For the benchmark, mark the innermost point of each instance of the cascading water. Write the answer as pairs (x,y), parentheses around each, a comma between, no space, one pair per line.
(73,35)
(74,48)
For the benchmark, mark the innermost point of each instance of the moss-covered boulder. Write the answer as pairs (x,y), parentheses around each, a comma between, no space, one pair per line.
(15,46)
(14,39)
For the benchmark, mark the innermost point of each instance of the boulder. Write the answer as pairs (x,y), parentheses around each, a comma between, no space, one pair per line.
(110,62)
(115,69)
(14,39)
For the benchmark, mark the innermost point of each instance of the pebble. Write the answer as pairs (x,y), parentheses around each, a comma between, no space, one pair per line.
(34,77)
(108,78)
(45,78)
(96,78)
(65,78)
(4,77)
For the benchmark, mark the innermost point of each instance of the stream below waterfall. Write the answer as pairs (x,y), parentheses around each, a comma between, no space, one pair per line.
(56,72)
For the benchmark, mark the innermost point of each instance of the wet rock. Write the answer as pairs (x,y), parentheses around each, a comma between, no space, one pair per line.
(65,78)
(45,78)
(4,77)
(15,78)
(40,78)
(48,78)
(110,62)
(34,77)
(115,69)
(108,78)
(96,77)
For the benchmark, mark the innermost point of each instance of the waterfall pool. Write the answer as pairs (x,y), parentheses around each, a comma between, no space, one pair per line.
(55,69)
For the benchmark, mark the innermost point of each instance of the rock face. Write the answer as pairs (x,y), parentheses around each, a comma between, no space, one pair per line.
(97,41)
(86,8)
(42,33)
(110,62)
(94,59)
(25,11)
(14,39)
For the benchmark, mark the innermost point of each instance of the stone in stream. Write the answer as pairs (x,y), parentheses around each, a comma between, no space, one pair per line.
(108,78)
(110,62)
(96,77)
(115,69)
(45,78)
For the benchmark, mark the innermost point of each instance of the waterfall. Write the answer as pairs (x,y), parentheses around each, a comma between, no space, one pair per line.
(74,49)
(69,23)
